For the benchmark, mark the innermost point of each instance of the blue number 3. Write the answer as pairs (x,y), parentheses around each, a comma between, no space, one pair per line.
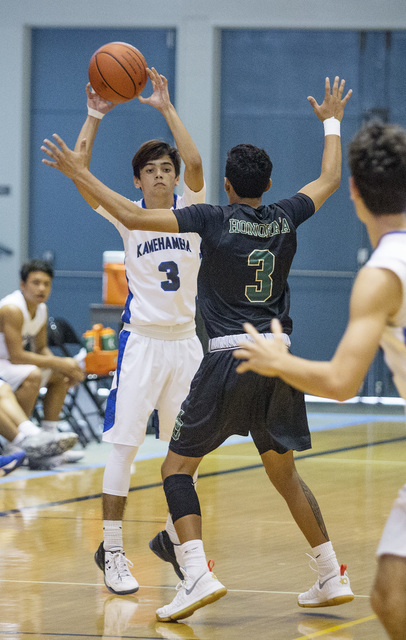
(172,283)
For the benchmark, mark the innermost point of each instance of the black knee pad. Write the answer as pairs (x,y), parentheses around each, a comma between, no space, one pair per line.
(181,496)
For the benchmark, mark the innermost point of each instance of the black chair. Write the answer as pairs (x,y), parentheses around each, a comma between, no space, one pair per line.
(63,340)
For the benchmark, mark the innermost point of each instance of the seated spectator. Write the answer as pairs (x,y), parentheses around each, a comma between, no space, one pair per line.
(23,324)
(24,439)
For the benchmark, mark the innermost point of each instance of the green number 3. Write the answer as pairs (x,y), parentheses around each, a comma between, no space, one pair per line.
(265,260)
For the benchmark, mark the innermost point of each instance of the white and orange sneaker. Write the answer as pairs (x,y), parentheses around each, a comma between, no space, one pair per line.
(193,593)
(333,589)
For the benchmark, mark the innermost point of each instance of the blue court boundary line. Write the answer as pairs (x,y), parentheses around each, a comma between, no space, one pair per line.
(338,422)
(154,485)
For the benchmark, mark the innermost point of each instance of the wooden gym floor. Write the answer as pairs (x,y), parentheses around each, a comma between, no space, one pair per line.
(50,527)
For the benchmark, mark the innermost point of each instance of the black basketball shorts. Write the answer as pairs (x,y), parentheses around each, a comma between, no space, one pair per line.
(222,403)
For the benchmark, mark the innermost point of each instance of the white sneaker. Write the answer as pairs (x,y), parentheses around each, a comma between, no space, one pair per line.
(47,443)
(192,595)
(117,576)
(331,590)
(68,457)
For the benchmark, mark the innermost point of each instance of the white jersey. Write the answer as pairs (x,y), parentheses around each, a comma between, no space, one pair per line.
(31,326)
(161,271)
(391,254)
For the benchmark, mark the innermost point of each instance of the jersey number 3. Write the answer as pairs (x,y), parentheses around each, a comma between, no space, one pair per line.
(172,283)
(265,261)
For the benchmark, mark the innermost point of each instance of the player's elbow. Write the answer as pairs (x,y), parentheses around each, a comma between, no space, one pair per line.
(131,225)
(18,358)
(342,390)
(333,180)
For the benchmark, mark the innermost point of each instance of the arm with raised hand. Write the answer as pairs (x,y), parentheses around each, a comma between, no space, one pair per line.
(160,99)
(332,107)
(97,108)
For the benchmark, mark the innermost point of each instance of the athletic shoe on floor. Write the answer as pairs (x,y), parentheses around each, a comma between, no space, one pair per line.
(68,457)
(46,443)
(117,576)
(163,547)
(331,590)
(10,462)
(192,595)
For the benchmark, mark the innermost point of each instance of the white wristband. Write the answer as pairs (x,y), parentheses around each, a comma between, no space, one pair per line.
(96,114)
(331,126)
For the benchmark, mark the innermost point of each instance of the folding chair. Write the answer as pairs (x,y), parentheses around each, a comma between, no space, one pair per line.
(63,338)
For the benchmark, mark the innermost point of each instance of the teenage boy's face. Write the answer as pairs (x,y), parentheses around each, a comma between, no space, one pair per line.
(157,176)
(37,287)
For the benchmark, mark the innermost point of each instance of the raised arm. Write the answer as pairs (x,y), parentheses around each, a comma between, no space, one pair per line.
(330,176)
(376,297)
(73,164)
(97,107)
(159,99)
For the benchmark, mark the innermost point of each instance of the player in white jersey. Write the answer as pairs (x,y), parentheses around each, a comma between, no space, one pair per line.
(23,321)
(377,160)
(159,351)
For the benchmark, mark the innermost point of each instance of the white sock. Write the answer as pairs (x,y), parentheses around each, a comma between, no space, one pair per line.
(27,428)
(326,559)
(50,425)
(113,534)
(193,558)
(20,436)
(171,531)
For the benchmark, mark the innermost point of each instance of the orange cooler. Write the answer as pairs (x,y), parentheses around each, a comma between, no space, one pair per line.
(115,289)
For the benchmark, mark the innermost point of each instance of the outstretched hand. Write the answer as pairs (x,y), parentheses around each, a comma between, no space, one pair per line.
(64,159)
(96,102)
(333,104)
(261,355)
(159,97)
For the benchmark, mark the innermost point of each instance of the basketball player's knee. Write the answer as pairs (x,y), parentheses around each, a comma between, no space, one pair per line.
(32,381)
(117,472)
(58,379)
(5,391)
(181,496)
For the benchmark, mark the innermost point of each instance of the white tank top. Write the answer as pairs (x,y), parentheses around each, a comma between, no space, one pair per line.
(391,254)
(31,326)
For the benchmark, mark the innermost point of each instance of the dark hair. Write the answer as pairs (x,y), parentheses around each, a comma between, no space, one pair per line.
(153,150)
(248,169)
(36,265)
(377,161)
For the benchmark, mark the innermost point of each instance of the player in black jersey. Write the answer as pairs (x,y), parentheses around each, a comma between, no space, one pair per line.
(247,250)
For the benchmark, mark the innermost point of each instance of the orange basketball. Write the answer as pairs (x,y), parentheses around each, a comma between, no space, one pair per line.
(118,72)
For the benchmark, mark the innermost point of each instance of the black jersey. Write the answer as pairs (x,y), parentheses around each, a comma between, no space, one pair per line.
(246,257)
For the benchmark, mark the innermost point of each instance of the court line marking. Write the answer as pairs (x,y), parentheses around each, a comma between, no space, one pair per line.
(97,584)
(338,627)
(153,485)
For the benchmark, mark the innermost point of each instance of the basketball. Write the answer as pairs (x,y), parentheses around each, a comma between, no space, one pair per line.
(118,72)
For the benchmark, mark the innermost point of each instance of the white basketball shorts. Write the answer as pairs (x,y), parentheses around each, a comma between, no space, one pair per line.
(151,374)
(393,539)
(15,374)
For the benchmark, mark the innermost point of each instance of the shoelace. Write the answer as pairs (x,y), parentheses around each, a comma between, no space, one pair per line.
(343,567)
(314,561)
(121,564)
